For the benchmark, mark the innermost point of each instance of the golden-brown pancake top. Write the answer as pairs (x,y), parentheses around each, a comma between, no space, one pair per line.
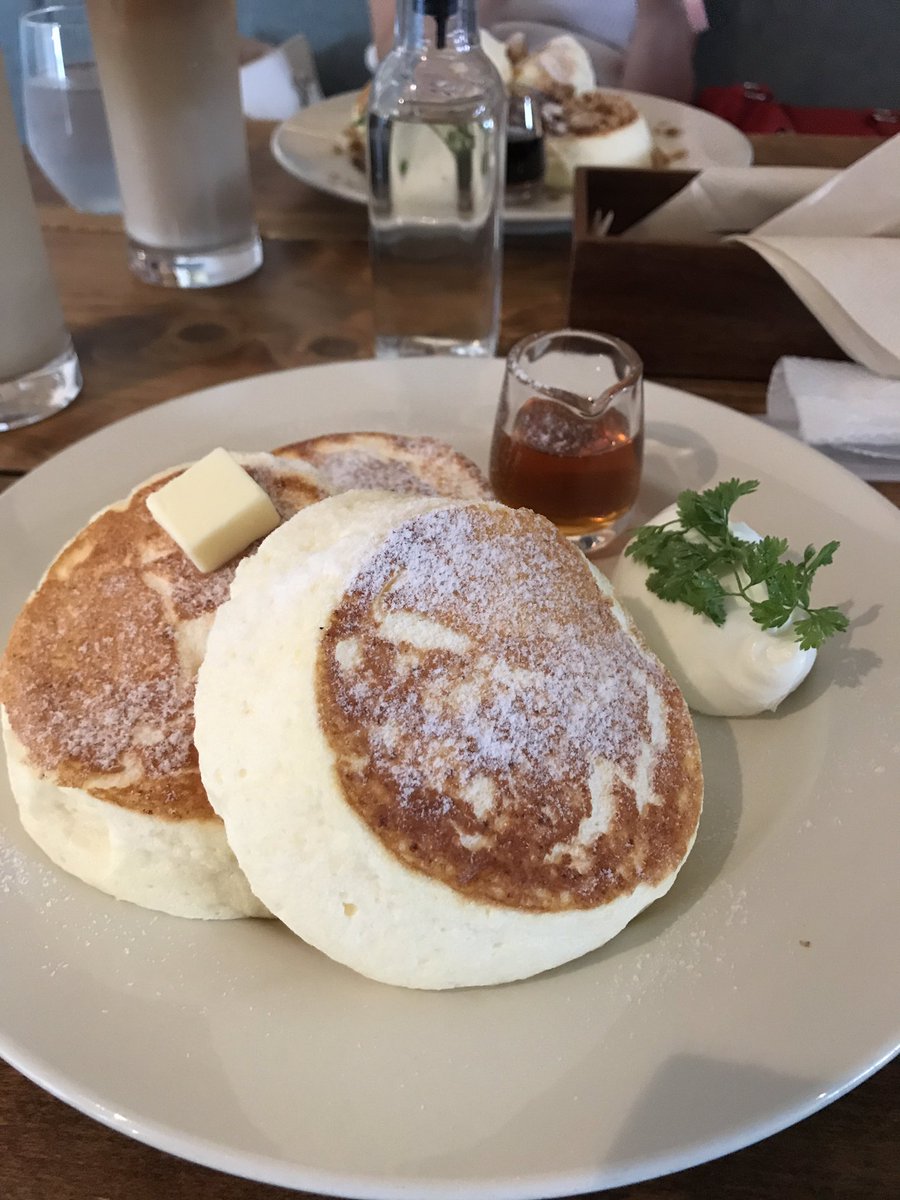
(594,113)
(496,726)
(99,672)
(392,462)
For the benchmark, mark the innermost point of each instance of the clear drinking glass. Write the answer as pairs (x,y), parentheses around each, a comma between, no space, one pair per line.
(39,372)
(169,73)
(65,121)
(569,434)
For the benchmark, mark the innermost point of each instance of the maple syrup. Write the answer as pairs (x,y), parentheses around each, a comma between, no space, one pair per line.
(580,473)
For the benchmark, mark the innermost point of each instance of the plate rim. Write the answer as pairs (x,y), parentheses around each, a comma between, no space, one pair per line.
(516,220)
(218,1156)
(806,452)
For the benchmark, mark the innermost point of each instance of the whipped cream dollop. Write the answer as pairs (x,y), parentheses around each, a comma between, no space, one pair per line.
(731,670)
(562,63)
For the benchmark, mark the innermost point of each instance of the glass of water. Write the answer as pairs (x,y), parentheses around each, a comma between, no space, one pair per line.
(39,370)
(65,121)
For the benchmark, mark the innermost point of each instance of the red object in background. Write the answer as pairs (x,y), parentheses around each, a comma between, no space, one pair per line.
(753,108)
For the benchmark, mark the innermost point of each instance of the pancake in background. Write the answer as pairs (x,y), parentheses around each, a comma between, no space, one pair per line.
(444,757)
(352,138)
(421,466)
(97,688)
(594,129)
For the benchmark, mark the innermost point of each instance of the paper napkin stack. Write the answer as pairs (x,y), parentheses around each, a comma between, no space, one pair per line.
(843,409)
(834,237)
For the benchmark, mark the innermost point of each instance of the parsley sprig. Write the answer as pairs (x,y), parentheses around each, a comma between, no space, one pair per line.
(703,570)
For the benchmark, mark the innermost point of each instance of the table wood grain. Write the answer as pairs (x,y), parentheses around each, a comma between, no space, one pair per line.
(310,304)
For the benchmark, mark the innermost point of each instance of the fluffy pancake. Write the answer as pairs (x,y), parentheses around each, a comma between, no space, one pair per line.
(444,757)
(595,129)
(97,685)
(420,466)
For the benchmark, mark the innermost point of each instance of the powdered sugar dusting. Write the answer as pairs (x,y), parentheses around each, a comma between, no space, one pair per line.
(420,466)
(99,674)
(19,873)
(355,469)
(535,690)
(552,691)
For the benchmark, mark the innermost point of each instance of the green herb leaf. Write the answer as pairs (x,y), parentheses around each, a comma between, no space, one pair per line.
(819,625)
(703,569)
(760,558)
(708,511)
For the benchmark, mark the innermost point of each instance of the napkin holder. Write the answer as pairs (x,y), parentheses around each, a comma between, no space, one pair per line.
(690,310)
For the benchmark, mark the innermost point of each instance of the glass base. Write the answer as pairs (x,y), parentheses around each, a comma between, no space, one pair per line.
(208,268)
(590,543)
(413,347)
(605,540)
(41,393)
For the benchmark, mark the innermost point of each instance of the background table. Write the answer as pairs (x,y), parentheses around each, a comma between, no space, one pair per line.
(310,303)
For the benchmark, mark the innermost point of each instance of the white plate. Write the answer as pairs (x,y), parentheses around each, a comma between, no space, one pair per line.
(707,1024)
(305,147)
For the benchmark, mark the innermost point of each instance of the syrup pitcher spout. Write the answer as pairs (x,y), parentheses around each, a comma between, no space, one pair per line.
(582,372)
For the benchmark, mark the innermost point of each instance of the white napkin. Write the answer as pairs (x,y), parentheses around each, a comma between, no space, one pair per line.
(834,237)
(278,84)
(860,200)
(839,250)
(851,285)
(723,200)
(842,409)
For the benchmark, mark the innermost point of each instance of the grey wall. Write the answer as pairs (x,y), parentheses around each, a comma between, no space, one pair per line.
(338,31)
(10,11)
(844,53)
(835,53)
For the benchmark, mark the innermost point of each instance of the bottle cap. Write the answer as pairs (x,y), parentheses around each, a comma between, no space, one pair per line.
(440,10)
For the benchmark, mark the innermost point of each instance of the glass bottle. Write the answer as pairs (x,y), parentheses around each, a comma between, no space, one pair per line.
(436,168)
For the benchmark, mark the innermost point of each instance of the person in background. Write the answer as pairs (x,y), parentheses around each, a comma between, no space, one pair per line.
(642,45)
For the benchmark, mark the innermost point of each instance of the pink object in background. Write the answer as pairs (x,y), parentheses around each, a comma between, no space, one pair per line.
(695,10)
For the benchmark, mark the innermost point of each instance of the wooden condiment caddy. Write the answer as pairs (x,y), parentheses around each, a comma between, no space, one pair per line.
(692,310)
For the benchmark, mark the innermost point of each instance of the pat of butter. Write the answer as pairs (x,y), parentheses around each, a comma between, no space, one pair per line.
(213,510)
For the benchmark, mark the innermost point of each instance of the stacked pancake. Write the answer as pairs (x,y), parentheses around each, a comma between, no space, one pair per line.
(443,758)
(97,684)
(391,462)
(419,730)
(97,681)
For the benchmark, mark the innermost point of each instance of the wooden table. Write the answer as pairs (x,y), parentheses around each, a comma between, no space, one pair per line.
(309,304)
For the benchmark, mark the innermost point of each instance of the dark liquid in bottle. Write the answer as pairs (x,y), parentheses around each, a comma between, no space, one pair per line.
(581,474)
(524,157)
